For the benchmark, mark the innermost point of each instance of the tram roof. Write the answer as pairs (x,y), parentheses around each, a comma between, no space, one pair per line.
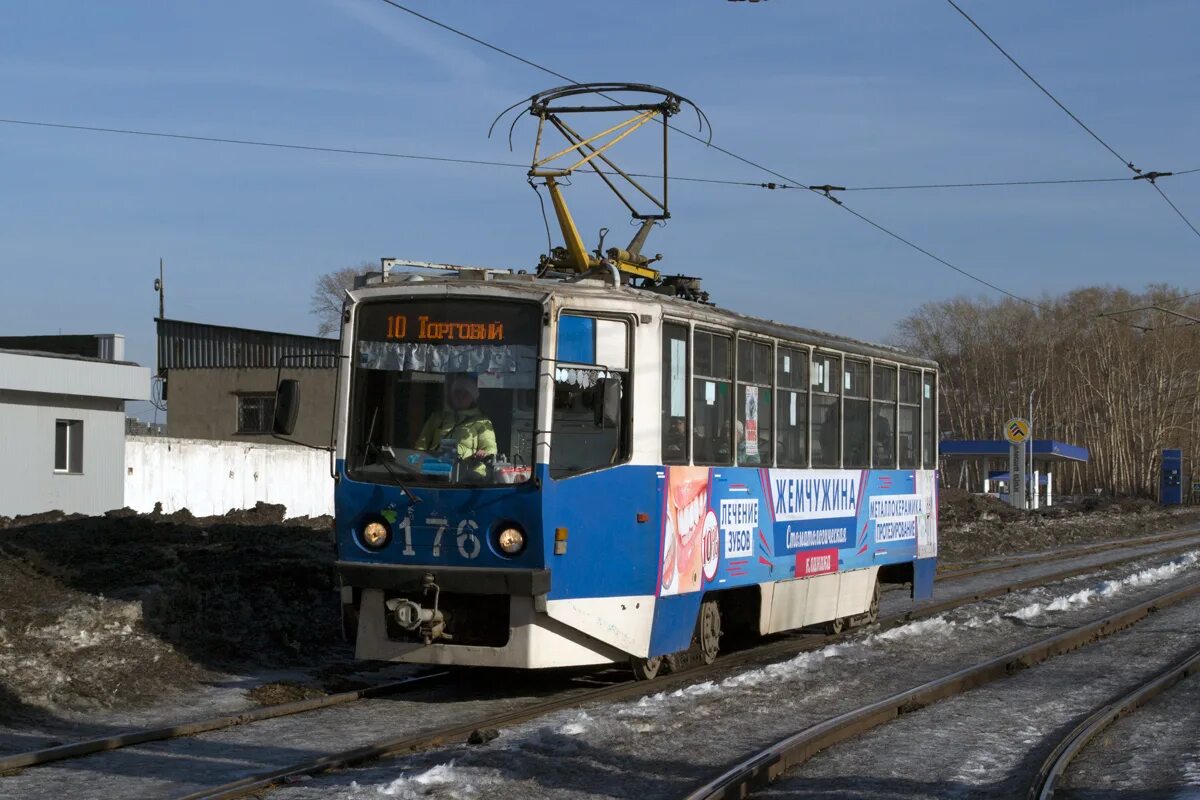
(674,307)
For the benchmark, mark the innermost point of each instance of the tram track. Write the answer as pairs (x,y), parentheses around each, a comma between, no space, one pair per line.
(762,768)
(785,646)
(971,569)
(630,690)
(101,744)
(1053,769)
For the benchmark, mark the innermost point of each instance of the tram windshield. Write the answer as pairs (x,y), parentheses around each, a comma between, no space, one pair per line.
(443,392)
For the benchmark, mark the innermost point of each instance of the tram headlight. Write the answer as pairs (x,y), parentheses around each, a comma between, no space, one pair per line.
(510,540)
(375,535)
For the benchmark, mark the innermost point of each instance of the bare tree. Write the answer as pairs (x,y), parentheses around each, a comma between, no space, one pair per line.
(330,291)
(1125,387)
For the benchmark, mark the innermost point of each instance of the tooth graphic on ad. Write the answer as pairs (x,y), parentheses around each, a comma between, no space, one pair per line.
(684,530)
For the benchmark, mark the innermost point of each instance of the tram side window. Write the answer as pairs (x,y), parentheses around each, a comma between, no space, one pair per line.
(712,434)
(593,361)
(856,434)
(929,398)
(826,407)
(909,422)
(674,394)
(791,367)
(755,365)
(884,439)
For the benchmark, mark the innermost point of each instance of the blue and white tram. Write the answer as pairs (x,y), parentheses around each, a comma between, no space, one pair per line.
(662,471)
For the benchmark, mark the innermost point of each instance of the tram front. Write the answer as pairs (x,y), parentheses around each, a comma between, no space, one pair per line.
(441,552)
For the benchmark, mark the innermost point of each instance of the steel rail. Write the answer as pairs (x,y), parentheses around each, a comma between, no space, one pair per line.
(970,569)
(785,646)
(765,766)
(118,741)
(1047,777)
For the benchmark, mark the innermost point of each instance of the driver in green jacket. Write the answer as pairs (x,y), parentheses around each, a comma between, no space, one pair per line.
(463,422)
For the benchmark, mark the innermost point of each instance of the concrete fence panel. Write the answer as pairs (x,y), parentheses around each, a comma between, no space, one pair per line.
(211,477)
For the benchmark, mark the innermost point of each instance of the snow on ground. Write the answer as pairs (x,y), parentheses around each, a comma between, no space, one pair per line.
(1108,588)
(91,651)
(1191,774)
(471,773)
(984,743)
(443,780)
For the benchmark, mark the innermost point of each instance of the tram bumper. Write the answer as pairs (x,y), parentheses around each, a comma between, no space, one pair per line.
(488,617)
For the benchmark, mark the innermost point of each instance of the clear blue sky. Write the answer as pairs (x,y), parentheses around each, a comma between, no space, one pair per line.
(894,92)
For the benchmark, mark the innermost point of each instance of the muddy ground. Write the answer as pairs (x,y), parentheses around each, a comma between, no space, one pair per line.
(126,610)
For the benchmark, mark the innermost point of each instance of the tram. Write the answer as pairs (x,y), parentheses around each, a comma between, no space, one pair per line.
(566,468)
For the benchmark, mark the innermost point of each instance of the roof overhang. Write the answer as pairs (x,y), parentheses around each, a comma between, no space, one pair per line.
(78,377)
(1044,449)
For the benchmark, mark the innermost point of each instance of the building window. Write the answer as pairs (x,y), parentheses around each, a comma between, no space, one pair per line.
(256,413)
(68,446)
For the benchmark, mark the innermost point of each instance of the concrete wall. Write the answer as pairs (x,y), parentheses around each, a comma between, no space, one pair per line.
(211,477)
(202,403)
(28,482)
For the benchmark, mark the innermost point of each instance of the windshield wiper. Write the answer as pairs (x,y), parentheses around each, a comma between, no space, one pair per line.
(412,498)
(395,478)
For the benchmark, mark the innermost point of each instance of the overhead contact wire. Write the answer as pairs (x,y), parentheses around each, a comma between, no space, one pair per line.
(1044,90)
(257,143)
(1149,176)
(749,162)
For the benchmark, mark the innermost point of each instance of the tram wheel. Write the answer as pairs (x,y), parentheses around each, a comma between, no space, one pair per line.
(872,615)
(646,669)
(834,626)
(709,635)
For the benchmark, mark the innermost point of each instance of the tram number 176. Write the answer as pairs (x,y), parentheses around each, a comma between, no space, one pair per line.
(465,536)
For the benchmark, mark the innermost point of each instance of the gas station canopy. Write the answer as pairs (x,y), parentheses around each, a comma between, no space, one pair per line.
(1043,449)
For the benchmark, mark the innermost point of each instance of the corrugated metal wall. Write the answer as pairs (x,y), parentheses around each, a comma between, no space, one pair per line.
(192,345)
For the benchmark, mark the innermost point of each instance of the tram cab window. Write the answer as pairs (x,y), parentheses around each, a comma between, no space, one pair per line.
(674,394)
(712,433)
(752,432)
(592,363)
(791,370)
(442,392)
(856,433)
(929,405)
(884,419)
(826,408)
(909,421)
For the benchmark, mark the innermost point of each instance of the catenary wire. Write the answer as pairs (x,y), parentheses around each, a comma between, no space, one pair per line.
(1174,207)
(258,143)
(516,165)
(827,194)
(741,158)
(1150,176)
(1044,90)
(800,185)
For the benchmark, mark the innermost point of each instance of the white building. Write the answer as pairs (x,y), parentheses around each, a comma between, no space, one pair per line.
(62,424)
